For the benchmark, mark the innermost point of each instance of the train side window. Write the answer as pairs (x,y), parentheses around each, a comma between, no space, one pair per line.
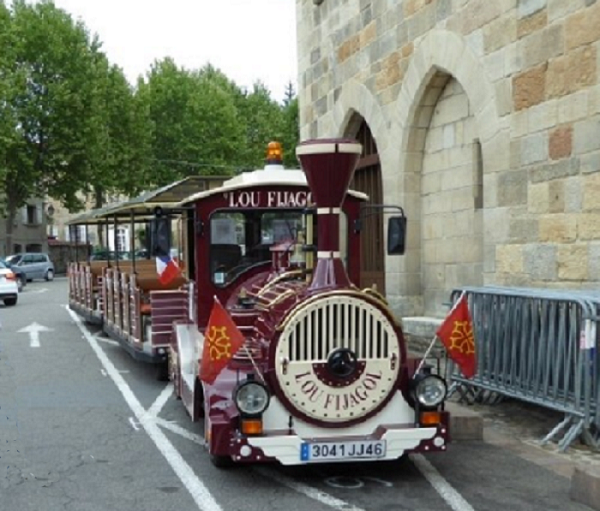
(227,244)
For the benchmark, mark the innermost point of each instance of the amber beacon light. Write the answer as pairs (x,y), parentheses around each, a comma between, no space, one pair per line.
(274,153)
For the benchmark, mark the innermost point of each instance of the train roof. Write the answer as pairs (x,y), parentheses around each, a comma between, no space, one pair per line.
(190,189)
(270,175)
(167,197)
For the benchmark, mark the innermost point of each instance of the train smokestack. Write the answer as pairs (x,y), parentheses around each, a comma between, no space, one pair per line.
(329,165)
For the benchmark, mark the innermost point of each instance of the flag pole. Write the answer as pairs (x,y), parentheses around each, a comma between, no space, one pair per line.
(245,348)
(254,363)
(431,345)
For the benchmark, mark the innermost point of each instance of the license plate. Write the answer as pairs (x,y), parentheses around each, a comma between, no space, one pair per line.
(325,451)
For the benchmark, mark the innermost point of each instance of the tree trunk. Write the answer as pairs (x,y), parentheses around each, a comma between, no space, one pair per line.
(11,214)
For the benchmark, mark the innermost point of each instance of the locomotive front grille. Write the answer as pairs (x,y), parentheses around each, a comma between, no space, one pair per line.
(338,325)
(321,335)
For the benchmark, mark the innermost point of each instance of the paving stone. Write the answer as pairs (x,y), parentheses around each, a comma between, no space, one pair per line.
(585,486)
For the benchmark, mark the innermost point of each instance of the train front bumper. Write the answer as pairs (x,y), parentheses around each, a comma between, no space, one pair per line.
(388,443)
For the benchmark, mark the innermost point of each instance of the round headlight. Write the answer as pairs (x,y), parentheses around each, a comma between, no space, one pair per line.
(430,391)
(251,398)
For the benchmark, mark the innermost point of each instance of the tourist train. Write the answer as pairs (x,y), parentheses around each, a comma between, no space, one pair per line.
(258,318)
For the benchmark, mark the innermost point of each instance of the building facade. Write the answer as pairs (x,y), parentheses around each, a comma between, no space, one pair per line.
(29,230)
(485,115)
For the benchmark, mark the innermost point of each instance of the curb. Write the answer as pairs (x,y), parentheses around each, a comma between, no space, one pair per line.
(465,424)
(585,486)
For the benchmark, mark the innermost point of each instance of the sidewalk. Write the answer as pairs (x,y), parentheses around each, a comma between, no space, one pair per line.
(520,427)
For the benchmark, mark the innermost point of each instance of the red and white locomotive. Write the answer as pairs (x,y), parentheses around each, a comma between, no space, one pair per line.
(323,373)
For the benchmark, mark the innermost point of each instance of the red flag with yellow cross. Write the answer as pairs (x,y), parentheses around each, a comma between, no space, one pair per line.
(222,339)
(456,332)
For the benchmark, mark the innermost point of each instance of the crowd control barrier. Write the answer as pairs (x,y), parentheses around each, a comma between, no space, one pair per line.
(538,346)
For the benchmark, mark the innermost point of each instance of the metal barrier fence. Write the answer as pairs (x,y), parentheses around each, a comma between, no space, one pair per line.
(539,346)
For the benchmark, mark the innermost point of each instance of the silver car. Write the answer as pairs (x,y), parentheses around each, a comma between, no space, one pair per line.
(35,265)
(9,291)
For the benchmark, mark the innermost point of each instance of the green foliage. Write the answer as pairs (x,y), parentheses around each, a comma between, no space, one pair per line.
(291,122)
(196,130)
(264,122)
(122,145)
(47,101)
(71,123)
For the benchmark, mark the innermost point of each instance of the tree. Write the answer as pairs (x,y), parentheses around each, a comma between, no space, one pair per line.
(48,101)
(6,118)
(291,126)
(290,94)
(263,121)
(122,135)
(196,129)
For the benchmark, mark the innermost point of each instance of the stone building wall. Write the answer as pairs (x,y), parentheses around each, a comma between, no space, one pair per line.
(525,119)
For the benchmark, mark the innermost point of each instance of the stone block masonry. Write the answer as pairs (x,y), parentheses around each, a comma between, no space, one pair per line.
(440,82)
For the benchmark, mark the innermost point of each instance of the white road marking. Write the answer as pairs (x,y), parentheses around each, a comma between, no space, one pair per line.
(454,499)
(344,482)
(104,373)
(387,484)
(160,401)
(134,423)
(178,430)
(197,489)
(309,491)
(34,330)
(107,341)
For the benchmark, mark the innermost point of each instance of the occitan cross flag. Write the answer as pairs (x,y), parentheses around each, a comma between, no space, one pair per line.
(222,340)
(456,332)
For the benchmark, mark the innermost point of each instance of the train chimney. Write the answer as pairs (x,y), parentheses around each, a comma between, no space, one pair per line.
(329,165)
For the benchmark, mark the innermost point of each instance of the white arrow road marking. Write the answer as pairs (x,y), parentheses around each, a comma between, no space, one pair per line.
(197,489)
(34,333)
(39,291)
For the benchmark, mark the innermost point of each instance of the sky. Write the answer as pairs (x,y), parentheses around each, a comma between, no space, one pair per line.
(248,40)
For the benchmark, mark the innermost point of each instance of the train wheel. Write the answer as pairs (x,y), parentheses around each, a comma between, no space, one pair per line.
(162,371)
(221,461)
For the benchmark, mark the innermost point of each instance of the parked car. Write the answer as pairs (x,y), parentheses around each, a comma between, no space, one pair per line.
(35,265)
(9,289)
(21,277)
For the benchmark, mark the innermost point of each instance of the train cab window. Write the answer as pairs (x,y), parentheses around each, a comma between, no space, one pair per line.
(241,240)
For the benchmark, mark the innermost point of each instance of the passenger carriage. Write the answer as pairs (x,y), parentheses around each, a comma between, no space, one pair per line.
(323,373)
(122,292)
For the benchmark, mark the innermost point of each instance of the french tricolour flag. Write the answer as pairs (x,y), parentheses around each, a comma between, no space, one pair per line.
(167,269)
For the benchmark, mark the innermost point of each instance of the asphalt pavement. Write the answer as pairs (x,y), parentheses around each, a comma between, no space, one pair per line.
(83,427)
